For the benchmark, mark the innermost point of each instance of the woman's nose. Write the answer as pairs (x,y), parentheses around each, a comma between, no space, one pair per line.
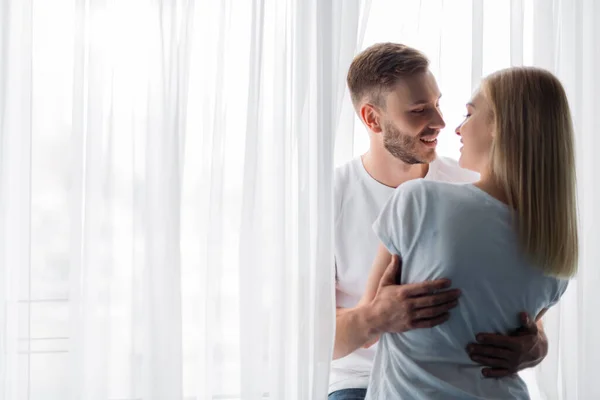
(457,130)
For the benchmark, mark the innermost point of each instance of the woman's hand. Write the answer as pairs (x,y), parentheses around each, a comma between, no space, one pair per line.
(505,355)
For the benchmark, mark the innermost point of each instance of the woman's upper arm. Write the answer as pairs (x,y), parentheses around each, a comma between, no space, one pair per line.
(382,260)
(540,314)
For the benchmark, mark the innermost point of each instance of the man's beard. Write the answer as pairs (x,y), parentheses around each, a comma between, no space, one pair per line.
(405,147)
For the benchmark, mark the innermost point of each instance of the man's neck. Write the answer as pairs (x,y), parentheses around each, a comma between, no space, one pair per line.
(389,171)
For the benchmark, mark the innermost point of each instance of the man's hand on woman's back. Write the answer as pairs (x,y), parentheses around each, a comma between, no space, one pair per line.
(400,308)
(505,355)
(393,308)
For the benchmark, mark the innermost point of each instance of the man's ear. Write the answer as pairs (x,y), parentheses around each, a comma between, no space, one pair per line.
(371,117)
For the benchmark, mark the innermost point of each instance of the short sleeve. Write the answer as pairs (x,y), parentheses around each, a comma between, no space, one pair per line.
(397,219)
(561,289)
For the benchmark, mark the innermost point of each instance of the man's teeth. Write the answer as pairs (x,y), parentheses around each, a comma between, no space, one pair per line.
(428,140)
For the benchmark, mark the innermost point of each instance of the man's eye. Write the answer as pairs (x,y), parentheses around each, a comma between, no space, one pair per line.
(418,111)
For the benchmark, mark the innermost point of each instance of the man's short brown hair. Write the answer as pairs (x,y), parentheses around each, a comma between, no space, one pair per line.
(378,69)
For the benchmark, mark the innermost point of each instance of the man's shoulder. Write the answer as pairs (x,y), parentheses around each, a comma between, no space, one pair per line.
(345,176)
(343,172)
(344,179)
(448,170)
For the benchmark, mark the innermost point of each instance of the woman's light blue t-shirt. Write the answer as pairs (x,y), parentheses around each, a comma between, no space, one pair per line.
(455,231)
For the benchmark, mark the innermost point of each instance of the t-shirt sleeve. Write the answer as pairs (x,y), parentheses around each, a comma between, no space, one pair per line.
(396,221)
(561,288)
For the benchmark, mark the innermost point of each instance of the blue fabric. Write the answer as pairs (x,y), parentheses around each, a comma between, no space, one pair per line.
(459,232)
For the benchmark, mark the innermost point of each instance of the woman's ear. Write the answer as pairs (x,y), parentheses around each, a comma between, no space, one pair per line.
(491,123)
(371,117)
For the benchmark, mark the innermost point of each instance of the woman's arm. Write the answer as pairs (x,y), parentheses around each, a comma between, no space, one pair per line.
(359,326)
(382,260)
(539,317)
(406,307)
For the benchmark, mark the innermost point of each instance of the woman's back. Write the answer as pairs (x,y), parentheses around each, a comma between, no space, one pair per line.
(458,232)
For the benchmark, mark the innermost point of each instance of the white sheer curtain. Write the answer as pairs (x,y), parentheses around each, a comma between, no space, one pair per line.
(466,40)
(165,196)
(566,40)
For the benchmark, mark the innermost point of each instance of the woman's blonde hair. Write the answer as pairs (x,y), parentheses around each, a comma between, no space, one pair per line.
(533,159)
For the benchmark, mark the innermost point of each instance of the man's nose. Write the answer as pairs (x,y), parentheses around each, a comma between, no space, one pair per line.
(438,120)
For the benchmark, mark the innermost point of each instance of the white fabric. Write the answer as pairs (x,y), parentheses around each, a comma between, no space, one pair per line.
(166,196)
(358,199)
(459,232)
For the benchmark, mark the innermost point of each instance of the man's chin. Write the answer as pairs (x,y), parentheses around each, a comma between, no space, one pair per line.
(416,159)
(421,157)
(427,157)
(430,157)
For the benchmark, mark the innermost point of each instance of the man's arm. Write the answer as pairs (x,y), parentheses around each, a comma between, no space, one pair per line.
(354,327)
(388,307)
(505,355)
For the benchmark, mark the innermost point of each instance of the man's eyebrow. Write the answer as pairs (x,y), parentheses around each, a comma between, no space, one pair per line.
(471,104)
(422,102)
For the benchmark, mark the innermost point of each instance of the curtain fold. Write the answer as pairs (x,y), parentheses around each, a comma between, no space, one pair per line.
(126,186)
(571,51)
(166,190)
(351,23)
(300,51)
(15,196)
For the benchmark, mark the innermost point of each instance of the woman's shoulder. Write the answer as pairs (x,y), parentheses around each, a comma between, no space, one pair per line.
(412,188)
(430,187)
(425,194)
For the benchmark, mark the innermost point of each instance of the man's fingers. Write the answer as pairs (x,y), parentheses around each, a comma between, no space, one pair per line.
(431,322)
(496,372)
(491,362)
(489,351)
(389,276)
(496,340)
(432,312)
(429,287)
(433,300)
(527,324)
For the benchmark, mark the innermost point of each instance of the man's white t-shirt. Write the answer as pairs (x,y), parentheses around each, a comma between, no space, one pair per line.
(358,200)
(459,232)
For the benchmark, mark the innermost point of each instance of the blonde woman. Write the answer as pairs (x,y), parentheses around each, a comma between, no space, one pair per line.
(509,241)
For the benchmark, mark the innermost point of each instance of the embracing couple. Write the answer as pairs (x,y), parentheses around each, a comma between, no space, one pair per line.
(443,270)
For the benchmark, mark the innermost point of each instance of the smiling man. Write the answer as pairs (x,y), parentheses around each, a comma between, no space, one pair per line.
(397,99)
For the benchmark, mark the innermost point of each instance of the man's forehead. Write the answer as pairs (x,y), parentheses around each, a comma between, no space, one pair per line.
(419,88)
